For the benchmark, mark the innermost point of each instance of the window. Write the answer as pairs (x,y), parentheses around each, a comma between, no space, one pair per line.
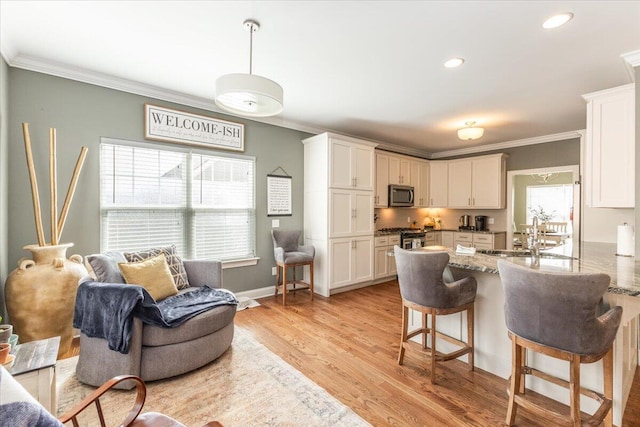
(202,203)
(555,200)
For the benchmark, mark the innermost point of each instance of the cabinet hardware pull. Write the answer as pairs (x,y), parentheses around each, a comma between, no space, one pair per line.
(469,201)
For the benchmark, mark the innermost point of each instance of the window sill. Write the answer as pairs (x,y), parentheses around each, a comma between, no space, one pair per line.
(240,263)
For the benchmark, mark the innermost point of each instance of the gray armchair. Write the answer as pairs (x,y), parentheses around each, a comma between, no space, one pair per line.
(156,352)
(422,286)
(560,315)
(289,254)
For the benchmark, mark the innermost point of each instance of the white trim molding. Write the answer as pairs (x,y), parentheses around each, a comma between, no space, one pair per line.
(631,60)
(510,144)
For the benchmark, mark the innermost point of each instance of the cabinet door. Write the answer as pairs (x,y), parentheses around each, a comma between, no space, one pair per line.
(438,184)
(447,238)
(488,183)
(393,269)
(363,259)
(341,213)
(340,262)
(362,201)
(380,262)
(395,175)
(405,171)
(464,239)
(382,181)
(610,146)
(362,166)
(460,184)
(420,182)
(341,175)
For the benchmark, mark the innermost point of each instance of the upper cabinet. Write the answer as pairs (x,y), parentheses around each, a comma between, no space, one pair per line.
(610,148)
(438,184)
(399,170)
(420,182)
(381,196)
(351,164)
(477,182)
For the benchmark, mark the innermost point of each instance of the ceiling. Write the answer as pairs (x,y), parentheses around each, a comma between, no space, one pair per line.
(368,69)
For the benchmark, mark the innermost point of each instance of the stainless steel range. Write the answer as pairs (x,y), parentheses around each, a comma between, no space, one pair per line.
(409,237)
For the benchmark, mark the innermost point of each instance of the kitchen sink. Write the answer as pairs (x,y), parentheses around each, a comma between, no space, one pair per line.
(503,253)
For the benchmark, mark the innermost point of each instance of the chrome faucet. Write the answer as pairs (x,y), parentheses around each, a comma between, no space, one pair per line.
(534,244)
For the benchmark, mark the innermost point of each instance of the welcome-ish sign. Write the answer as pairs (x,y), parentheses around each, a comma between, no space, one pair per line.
(164,124)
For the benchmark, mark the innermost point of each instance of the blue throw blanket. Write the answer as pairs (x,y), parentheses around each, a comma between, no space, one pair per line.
(106,310)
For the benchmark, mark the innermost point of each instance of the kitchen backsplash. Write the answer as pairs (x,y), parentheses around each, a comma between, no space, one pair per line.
(404,217)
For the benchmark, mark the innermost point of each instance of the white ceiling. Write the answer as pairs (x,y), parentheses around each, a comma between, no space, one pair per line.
(367,69)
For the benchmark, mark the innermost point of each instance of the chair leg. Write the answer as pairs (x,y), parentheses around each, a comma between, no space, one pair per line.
(470,338)
(574,389)
(284,285)
(403,335)
(425,329)
(607,368)
(433,348)
(516,376)
(523,363)
(277,278)
(311,279)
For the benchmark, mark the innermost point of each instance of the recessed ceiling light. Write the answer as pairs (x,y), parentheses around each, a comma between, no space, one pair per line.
(454,62)
(557,20)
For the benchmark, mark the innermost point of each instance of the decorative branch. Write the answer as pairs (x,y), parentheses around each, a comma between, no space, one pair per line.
(53,186)
(34,184)
(72,190)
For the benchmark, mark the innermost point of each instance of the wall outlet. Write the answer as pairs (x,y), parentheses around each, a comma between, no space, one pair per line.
(274,271)
(409,219)
(275,223)
(490,221)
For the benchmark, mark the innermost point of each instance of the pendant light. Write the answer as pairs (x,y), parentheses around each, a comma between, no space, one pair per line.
(470,132)
(248,94)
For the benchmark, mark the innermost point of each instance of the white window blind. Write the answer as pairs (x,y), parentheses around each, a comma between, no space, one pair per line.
(203,204)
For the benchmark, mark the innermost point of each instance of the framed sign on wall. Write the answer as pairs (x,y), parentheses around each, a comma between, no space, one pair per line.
(279,194)
(168,125)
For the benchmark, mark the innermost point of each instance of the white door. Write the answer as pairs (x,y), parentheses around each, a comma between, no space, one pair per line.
(420,182)
(340,262)
(380,262)
(362,158)
(393,270)
(341,175)
(487,183)
(382,181)
(341,213)
(363,216)
(447,238)
(460,184)
(395,174)
(363,259)
(438,184)
(405,171)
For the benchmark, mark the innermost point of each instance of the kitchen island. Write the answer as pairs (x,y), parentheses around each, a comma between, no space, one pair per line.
(492,345)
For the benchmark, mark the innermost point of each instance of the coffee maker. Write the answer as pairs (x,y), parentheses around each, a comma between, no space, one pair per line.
(481,223)
(465,221)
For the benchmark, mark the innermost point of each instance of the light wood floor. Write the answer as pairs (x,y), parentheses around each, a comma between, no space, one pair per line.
(349,343)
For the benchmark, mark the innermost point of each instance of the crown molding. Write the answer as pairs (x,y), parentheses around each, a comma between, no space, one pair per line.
(509,144)
(631,60)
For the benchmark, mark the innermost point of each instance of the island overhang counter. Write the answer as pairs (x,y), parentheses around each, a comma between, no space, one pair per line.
(492,344)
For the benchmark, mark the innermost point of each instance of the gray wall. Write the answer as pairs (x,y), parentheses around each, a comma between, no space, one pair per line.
(4,175)
(84,113)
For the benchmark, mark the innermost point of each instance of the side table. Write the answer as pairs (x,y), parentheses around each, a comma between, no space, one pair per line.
(35,369)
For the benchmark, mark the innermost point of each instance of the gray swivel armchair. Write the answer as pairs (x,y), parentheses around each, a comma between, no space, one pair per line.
(422,286)
(289,254)
(560,315)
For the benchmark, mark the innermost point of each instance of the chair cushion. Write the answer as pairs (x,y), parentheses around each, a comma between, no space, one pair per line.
(203,324)
(173,259)
(286,239)
(297,257)
(152,274)
(105,266)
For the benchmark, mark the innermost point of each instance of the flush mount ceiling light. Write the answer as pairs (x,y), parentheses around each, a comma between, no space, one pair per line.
(557,20)
(249,94)
(454,62)
(470,132)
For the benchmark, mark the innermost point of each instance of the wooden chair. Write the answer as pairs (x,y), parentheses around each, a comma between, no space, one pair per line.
(133,418)
(289,254)
(420,275)
(561,316)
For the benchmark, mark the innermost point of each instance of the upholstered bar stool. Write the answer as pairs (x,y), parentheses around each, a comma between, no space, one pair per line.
(289,254)
(560,315)
(422,286)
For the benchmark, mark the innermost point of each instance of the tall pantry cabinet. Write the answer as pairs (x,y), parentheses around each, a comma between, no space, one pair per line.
(338,210)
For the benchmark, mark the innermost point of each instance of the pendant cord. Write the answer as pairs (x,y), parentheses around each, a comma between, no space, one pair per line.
(251,49)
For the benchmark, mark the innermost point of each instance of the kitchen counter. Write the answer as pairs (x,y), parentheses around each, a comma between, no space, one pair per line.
(387,233)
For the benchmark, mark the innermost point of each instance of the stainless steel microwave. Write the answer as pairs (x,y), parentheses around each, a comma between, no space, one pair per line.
(400,196)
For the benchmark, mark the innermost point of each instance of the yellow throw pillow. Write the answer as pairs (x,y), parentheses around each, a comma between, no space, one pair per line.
(153,274)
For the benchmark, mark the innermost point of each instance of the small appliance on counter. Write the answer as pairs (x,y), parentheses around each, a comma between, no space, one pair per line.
(482,223)
(465,223)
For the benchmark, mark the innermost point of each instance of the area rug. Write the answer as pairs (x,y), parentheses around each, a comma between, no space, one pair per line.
(247,386)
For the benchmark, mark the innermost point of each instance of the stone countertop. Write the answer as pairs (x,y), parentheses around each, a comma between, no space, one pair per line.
(389,233)
(590,258)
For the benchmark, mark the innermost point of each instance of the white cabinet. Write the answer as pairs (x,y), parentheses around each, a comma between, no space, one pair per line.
(381,197)
(338,209)
(420,182)
(350,213)
(447,238)
(399,170)
(351,260)
(487,241)
(384,265)
(462,238)
(351,164)
(610,148)
(438,184)
(478,182)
